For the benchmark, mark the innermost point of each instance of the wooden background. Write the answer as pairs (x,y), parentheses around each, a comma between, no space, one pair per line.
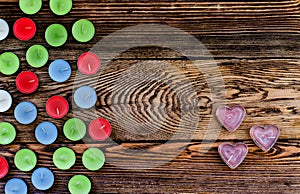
(255,44)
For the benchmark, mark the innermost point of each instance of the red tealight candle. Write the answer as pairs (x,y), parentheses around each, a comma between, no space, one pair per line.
(3,167)
(57,107)
(27,82)
(99,129)
(88,63)
(24,29)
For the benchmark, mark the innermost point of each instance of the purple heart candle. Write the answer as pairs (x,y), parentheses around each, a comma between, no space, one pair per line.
(265,136)
(233,154)
(231,118)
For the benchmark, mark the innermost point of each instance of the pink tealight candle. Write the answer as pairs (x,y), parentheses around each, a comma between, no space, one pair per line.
(57,107)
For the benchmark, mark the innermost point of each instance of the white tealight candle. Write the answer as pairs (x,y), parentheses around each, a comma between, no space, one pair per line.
(5,101)
(4,29)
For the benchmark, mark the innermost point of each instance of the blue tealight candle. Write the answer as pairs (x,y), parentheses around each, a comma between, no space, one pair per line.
(15,186)
(60,70)
(46,133)
(42,179)
(85,97)
(25,113)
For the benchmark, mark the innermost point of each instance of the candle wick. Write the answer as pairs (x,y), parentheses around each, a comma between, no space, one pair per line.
(1,30)
(102,126)
(32,81)
(28,28)
(89,67)
(62,158)
(29,161)
(29,4)
(44,130)
(42,175)
(57,111)
(2,100)
(91,156)
(65,69)
(89,95)
(38,52)
(73,131)
(4,131)
(77,183)
(82,28)
(230,158)
(271,137)
(29,110)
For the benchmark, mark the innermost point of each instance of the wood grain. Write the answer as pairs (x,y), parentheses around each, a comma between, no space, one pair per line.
(150,94)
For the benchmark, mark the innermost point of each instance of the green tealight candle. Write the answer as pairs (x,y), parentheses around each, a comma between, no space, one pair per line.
(83,30)
(56,35)
(60,7)
(93,159)
(37,56)
(9,63)
(74,129)
(7,133)
(79,184)
(30,6)
(25,160)
(64,158)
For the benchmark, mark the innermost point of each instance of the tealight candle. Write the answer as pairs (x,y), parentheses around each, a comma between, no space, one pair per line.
(56,35)
(79,184)
(93,159)
(60,7)
(27,82)
(99,129)
(5,101)
(57,107)
(7,133)
(24,29)
(42,179)
(25,113)
(4,29)
(15,186)
(85,97)
(25,160)
(46,133)
(37,56)
(64,158)
(88,63)
(83,30)
(3,167)
(30,6)
(60,70)
(9,63)
(74,129)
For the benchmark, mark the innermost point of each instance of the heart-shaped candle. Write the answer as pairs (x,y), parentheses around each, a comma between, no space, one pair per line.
(265,136)
(231,118)
(233,154)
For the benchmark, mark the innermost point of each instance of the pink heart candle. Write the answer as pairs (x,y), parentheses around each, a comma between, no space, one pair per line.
(231,118)
(233,154)
(265,136)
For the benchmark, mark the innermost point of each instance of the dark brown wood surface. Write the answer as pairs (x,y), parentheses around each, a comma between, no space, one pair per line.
(256,46)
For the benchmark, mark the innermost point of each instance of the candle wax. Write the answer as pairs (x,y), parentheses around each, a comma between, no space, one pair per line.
(57,107)
(3,167)
(74,129)
(59,70)
(99,129)
(25,160)
(56,35)
(9,63)
(42,179)
(27,82)
(25,113)
(85,97)
(5,101)
(88,63)
(60,7)
(83,30)
(24,29)
(4,29)
(46,133)
(30,6)
(37,56)
(7,133)
(64,158)
(93,159)
(79,184)
(15,186)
